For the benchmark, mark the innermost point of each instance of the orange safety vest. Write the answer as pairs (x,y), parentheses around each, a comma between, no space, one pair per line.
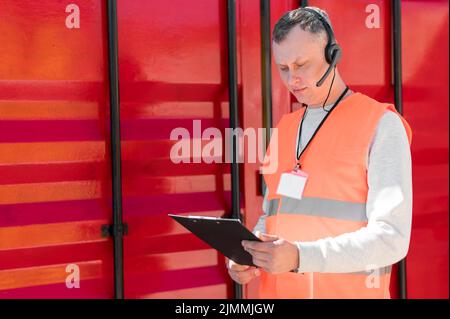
(334,198)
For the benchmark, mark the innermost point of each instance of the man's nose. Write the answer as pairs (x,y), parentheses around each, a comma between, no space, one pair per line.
(293,78)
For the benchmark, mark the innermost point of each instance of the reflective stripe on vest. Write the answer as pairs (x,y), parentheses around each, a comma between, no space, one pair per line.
(272,207)
(334,198)
(323,207)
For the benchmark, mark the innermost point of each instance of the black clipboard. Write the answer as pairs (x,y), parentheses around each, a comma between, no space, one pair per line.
(222,234)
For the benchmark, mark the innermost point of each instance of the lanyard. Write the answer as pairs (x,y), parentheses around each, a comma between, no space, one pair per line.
(317,129)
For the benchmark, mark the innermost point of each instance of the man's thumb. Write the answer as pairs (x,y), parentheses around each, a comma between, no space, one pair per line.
(266,237)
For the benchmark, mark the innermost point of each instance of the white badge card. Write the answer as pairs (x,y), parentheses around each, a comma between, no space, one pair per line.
(292,184)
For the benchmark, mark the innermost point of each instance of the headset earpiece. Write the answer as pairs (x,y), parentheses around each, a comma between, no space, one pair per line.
(333,53)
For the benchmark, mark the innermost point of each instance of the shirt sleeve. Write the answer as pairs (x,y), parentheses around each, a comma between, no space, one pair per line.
(385,239)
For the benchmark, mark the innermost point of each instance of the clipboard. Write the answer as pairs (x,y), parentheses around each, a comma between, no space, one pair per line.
(222,234)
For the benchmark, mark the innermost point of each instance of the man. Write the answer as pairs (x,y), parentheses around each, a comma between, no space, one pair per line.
(336,230)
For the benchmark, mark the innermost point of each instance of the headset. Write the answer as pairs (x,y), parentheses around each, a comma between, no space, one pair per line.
(333,51)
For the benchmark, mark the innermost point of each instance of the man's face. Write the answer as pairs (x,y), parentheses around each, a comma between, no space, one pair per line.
(300,59)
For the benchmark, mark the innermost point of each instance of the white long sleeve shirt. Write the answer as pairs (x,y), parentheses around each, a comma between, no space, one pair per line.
(385,239)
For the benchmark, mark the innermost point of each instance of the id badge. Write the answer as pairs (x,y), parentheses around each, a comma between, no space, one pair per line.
(292,184)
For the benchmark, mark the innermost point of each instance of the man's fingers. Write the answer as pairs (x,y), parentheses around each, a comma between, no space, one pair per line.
(259,255)
(235,266)
(258,246)
(261,263)
(245,276)
(242,274)
(250,272)
(267,237)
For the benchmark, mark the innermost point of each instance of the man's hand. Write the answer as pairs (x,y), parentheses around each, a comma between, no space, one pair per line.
(242,274)
(275,255)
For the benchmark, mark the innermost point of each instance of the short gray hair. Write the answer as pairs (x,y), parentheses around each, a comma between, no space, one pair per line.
(306,20)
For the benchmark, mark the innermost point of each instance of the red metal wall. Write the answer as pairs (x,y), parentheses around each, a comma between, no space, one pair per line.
(55,182)
(173,69)
(425,79)
(54,151)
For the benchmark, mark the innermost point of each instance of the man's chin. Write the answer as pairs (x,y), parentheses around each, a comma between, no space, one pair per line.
(301,99)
